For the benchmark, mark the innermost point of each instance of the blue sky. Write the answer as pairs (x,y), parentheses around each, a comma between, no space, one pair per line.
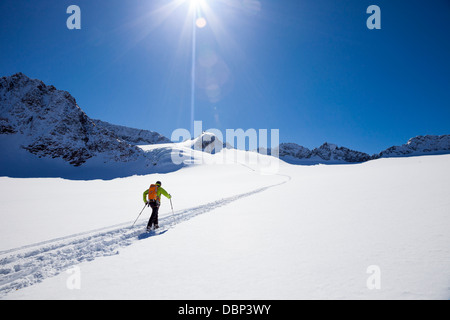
(311,69)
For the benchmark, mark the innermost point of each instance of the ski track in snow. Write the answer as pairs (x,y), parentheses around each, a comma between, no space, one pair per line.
(30,264)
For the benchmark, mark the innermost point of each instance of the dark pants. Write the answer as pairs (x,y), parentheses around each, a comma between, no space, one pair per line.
(154,217)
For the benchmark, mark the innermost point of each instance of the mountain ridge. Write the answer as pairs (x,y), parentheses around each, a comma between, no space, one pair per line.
(48,123)
(327,152)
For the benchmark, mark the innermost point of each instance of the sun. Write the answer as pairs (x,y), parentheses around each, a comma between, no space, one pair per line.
(198,8)
(197,2)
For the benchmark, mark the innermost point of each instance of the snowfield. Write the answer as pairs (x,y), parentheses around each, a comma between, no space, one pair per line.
(308,232)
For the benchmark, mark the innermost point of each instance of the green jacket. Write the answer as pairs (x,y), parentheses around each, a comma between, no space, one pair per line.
(161,191)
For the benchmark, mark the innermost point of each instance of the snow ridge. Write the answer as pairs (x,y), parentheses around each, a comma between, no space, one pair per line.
(133,136)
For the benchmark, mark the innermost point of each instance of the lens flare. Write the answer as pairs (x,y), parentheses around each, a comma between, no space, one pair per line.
(201,22)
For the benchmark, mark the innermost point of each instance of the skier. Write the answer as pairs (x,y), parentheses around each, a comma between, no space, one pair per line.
(154,201)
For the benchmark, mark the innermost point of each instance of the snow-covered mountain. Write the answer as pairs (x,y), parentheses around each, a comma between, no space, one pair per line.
(326,153)
(40,120)
(420,145)
(331,153)
(43,132)
(209,142)
(229,226)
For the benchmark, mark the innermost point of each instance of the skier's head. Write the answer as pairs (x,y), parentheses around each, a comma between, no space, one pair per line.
(158,183)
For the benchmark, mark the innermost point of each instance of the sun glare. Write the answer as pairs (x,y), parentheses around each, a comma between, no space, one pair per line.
(200,22)
(198,14)
(198,7)
(196,2)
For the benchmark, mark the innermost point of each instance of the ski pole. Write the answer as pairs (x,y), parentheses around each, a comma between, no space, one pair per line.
(139,216)
(173,214)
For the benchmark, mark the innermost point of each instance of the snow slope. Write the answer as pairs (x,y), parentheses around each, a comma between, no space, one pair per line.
(306,232)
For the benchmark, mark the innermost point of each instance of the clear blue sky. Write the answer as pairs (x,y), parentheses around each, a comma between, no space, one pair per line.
(309,68)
